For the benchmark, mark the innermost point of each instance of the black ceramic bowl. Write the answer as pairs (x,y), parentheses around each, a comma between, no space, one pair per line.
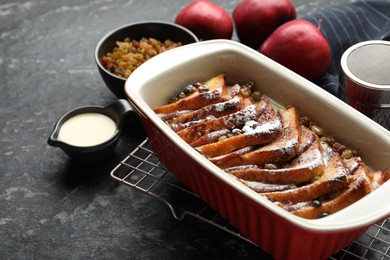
(154,29)
(95,154)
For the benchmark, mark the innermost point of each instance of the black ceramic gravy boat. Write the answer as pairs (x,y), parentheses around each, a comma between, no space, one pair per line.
(96,153)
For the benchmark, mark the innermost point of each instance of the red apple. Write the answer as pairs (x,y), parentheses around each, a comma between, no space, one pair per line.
(300,46)
(255,20)
(206,20)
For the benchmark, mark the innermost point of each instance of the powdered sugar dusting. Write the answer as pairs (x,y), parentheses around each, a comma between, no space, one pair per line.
(253,127)
(244,115)
(220,107)
(216,134)
(212,94)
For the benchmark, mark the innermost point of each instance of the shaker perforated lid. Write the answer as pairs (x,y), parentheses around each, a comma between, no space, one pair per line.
(371,63)
(365,73)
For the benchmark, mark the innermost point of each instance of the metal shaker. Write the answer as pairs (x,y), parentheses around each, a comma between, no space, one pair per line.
(365,79)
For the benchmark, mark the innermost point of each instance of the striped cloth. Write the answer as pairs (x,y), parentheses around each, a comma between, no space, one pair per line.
(346,25)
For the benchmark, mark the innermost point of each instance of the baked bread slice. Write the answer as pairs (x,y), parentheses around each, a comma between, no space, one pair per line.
(280,150)
(303,168)
(333,178)
(199,95)
(272,150)
(359,187)
(262,130)
(232,159)
(230,121)
(215,110)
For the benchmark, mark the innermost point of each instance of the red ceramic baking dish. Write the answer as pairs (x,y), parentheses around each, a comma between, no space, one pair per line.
(276,231)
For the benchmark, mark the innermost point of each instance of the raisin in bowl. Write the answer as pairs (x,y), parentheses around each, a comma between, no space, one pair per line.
(149,37)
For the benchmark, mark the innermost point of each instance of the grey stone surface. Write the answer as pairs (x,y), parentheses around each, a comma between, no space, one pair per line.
(52,208)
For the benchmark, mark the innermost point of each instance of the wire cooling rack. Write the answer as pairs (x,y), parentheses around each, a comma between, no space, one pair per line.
(142,171)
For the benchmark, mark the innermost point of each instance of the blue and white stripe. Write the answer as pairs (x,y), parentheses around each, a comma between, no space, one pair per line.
(346,25)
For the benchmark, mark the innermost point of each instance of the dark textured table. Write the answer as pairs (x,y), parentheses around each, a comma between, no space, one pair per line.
(50,206)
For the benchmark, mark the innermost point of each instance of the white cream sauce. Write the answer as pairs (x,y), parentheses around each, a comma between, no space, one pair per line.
(87,129)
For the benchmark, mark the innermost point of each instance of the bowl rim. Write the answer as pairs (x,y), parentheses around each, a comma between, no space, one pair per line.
(108,34)
(332,223)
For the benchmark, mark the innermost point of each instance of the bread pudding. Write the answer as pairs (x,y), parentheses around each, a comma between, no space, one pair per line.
(273,150)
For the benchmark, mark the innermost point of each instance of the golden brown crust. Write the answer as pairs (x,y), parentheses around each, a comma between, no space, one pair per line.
(255,132)
(302,169)
(237,119)
(217,89)
(280,150)
(213,110)
(358,188)
(262,187)
(285,158)
(333,178)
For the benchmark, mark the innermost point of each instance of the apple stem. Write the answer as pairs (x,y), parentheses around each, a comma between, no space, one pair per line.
(319,24)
